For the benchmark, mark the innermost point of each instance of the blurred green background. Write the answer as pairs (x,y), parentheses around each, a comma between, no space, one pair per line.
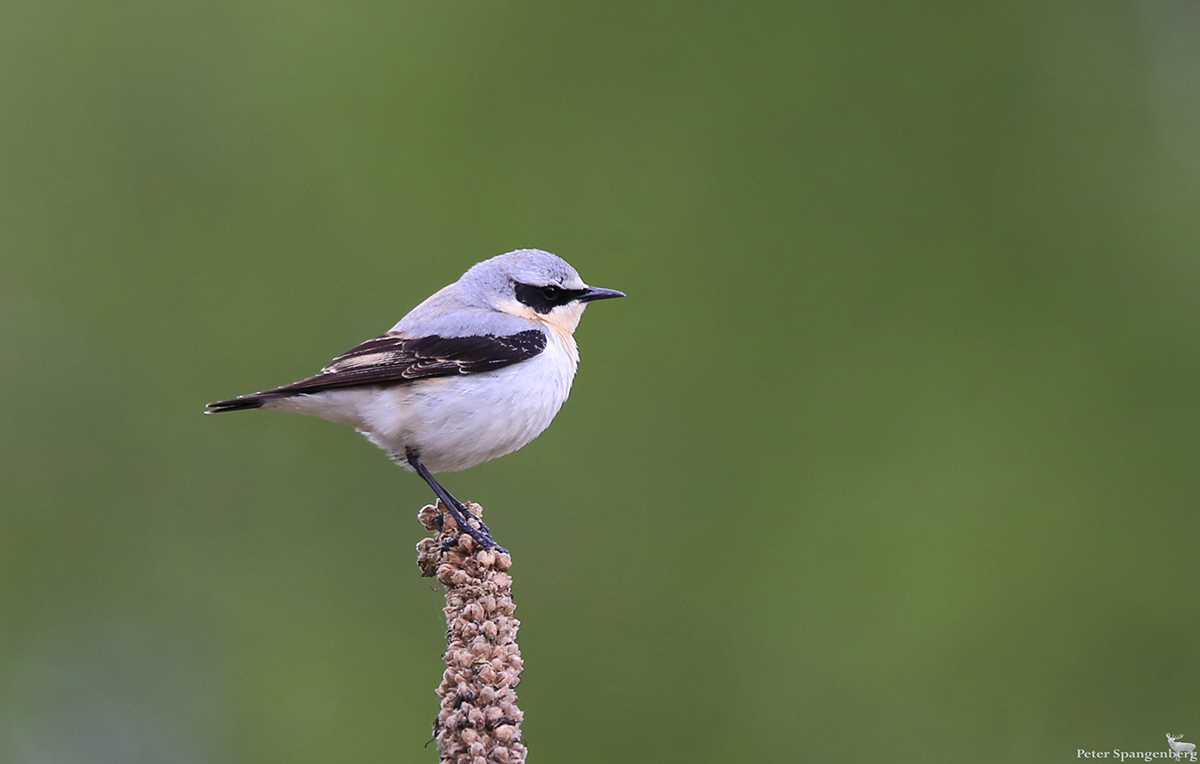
(892,451)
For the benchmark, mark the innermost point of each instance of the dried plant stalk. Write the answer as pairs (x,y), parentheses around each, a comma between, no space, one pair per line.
(478,722)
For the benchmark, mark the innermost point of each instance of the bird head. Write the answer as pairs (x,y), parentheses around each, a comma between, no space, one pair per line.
(534,285)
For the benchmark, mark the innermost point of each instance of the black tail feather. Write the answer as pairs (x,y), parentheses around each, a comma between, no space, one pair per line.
(236,404)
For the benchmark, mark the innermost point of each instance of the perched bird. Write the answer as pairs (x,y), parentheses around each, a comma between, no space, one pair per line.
(476,371)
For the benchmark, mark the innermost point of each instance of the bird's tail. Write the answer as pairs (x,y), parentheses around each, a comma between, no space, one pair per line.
(259,399)
(252,401)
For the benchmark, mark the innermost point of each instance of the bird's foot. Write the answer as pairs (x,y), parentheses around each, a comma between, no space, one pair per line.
(472,516)
(481,535)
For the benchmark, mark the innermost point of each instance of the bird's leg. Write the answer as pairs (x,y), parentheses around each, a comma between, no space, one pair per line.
(455,507)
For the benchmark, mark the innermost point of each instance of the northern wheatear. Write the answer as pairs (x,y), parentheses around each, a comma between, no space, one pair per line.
(476,371)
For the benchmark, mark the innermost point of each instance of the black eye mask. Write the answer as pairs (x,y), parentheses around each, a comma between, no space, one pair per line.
(543,299)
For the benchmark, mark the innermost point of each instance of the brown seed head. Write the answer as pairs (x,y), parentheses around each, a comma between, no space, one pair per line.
(478,721)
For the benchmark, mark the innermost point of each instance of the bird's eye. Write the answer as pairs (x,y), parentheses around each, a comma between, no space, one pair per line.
(543,299)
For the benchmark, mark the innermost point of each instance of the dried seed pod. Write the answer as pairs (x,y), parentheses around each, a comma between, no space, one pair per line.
(473,612)
(428,517)
(506,733)
(478,720)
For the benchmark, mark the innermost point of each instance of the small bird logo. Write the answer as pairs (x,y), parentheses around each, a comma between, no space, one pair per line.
(476,371)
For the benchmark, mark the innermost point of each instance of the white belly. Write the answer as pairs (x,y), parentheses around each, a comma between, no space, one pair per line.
(455,422)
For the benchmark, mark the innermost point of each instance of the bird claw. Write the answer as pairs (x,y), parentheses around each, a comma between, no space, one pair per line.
(462,520)
(467,513)
(455,508)
(480,535)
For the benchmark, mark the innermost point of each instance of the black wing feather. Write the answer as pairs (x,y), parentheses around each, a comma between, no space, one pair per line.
(395,359)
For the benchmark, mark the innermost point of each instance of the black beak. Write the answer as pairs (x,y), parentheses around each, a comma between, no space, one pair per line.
(596,293)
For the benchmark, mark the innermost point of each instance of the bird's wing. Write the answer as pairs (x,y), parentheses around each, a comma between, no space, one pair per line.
(396,358)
